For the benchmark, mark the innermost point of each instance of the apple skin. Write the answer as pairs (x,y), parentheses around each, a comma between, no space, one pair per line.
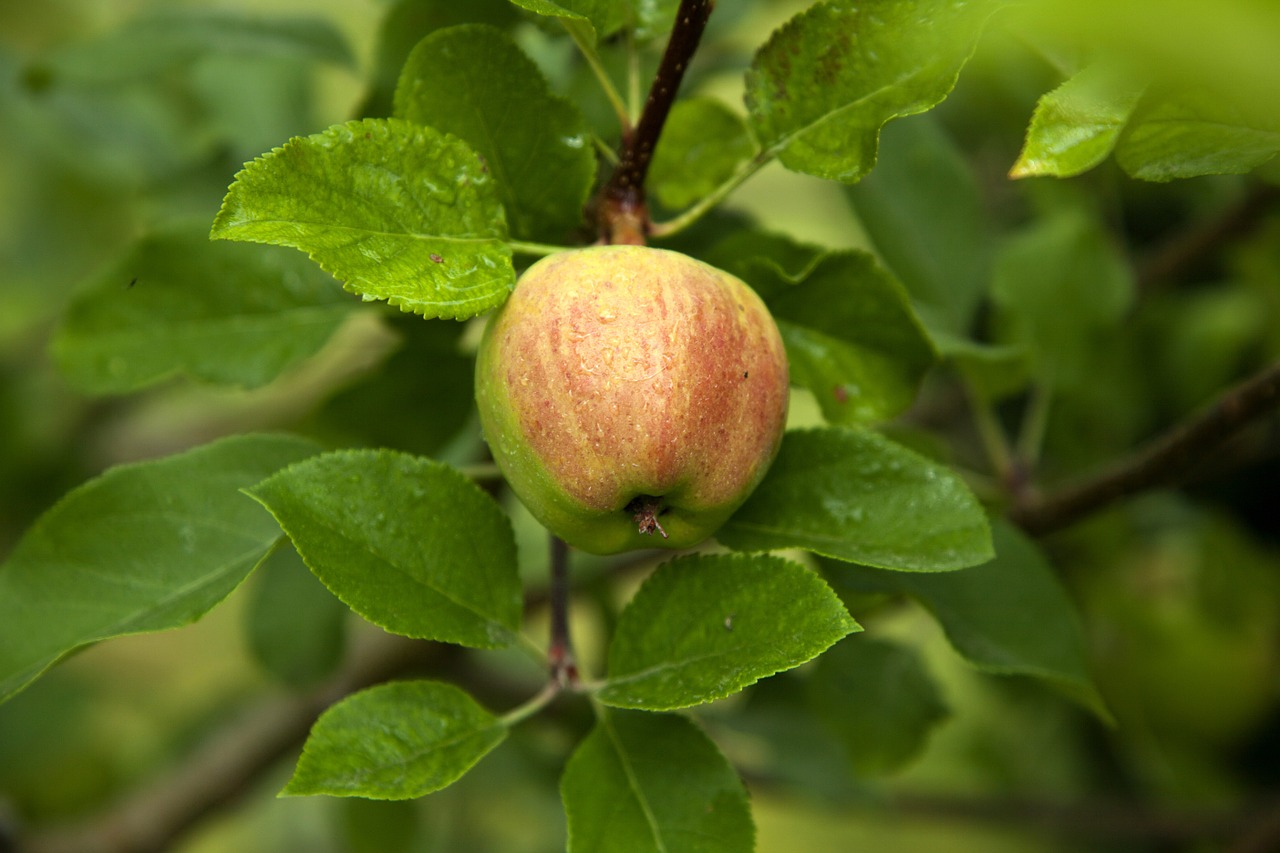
(616,372)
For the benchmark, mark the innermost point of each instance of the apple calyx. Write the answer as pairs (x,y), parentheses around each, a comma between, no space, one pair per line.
(645,510)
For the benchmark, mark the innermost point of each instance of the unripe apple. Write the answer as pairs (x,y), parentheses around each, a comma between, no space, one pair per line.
(633,397)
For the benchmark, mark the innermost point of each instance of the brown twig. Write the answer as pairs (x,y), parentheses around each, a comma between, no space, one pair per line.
(564,668)
(1185,248)
(623,211)
(1163,462)
(1262,833)
(215,775)
(1255,826)
(1100,819)
(1114,820)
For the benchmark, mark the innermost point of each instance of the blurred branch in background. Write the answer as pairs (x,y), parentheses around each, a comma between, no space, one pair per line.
(1163,462)
(1180,252)
(223,768)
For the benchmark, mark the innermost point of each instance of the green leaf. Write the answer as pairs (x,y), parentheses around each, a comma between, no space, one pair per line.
(1009,616)
(789,744)
(603,18)
(395,741)
(161,38)
(420,398)
(587,19)
(379,826)
(878,699)
(855,495)
(852,339)
(395,211)
(992,371)
(1076,125)
(533,142)
(704,627)
(653,782)
(408,543)
(1190,132)
(702,144)
(1060,288)
(821,88)
(923,211)
(177,303)
(296,628)
(143,547)
(769,262)
(649,18)
(122,137)
(405,23)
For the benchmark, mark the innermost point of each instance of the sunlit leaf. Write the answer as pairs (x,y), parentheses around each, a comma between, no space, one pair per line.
(587,18)
(1076,125)
(393,210)
(821,88)
(604,18)
(1188,133)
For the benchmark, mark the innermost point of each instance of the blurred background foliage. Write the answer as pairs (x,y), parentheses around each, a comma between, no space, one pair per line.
(1090,314)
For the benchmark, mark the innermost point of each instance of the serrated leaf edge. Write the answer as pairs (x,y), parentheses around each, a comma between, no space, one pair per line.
(225,229)
(290,790)
(778,148)
(847,622)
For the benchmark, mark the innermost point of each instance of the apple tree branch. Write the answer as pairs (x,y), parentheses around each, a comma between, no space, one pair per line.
(1163,462)
(623,212)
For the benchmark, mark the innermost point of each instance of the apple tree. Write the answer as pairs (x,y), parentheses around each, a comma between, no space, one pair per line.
(640,426)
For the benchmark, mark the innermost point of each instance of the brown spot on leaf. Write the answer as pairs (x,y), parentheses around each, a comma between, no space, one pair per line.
(436,258)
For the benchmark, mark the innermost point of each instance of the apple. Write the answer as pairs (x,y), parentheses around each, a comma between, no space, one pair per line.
(633,397)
